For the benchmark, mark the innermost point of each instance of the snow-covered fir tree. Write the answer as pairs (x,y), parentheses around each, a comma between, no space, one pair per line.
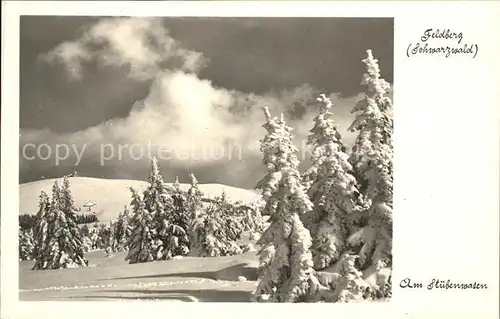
(194,197)
(41,232)
(372,155)
(174,229)
(231,220)
(64,247)
(107,237)
(252,220)
(87,244)
(66,231)
(95,240)
(26,244)
(66,202)
(122,230)
(69,208)
(325,140)
(242,219)
(351,285)
(141,240)
(331,188)
(218,229)
(286,267)
(374,123)
(159,203)
(85,230)
(196,217)
(373,243)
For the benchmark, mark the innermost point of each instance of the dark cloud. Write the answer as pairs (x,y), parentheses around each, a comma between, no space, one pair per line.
(262,54)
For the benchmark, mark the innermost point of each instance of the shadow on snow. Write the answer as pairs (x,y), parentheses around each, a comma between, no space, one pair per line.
(229,273)
(204,295)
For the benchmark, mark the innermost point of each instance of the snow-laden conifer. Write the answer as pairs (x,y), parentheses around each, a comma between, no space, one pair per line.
(194,196)
(85,230)
(41,232)
(374,240)
(66,230)
(26,244)
(107,237)
(87,244)
(66,201)
(351,286)
(196,217)
(372,156)
(285,272)
(219,228)
(156,197)
(331,188)
(122,230)
(64,243)
(170,226)
(173,232)
(141,240)
(94,237)
(372,151)
(231,219)
(252,221)
(325,140)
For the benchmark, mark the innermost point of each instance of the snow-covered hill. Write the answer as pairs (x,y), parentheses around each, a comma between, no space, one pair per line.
(110,195)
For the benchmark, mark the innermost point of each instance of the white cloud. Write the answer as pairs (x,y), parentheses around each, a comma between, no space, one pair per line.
(71,55)
(142,45)
(191,118)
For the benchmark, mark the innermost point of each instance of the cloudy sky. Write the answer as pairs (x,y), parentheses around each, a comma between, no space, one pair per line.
(108,89)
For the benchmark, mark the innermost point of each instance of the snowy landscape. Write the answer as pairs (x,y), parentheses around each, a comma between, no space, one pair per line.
(282,194)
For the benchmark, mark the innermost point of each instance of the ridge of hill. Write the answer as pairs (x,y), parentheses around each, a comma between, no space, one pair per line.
(111,195)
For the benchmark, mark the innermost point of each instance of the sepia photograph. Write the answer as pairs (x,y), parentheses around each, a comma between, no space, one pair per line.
(206,159)
(249,157)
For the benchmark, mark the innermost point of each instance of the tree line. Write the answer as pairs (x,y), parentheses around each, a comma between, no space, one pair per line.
(27,221)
